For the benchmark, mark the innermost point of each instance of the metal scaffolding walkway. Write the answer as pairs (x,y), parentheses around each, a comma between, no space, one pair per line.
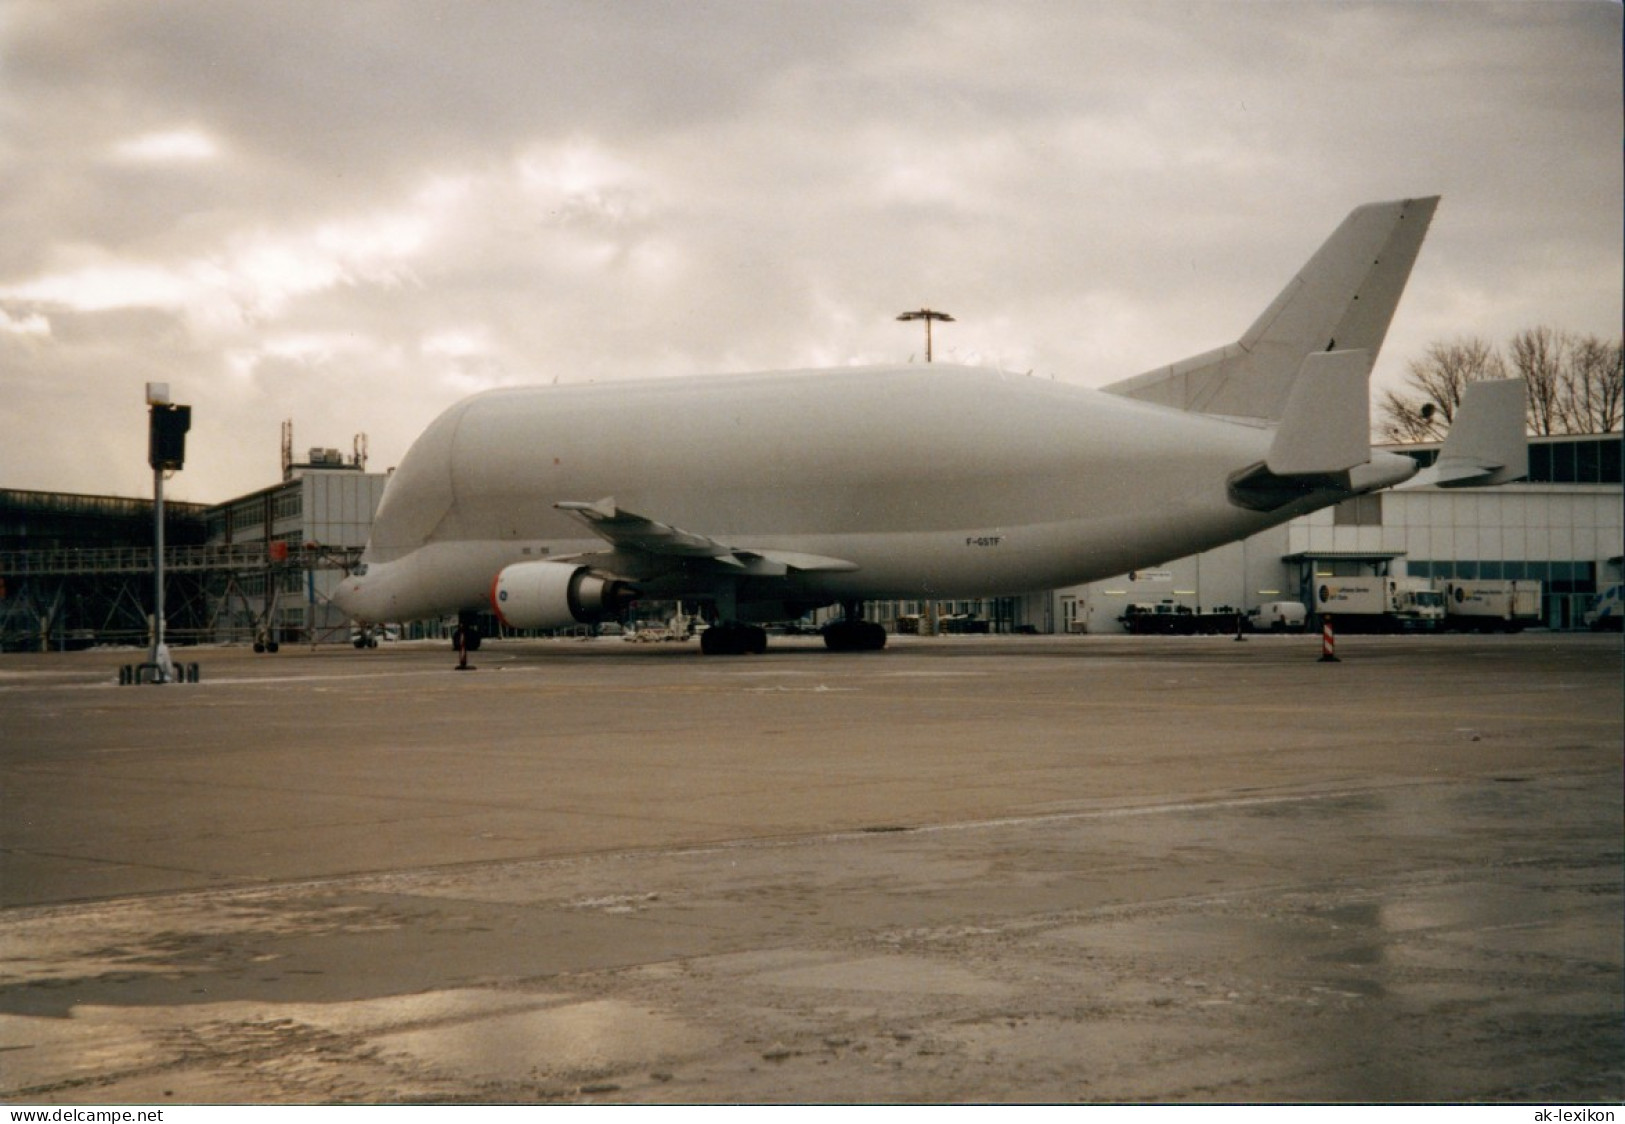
(234,557)
(79,597)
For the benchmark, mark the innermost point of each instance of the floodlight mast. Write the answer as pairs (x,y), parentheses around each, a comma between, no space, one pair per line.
(927,315)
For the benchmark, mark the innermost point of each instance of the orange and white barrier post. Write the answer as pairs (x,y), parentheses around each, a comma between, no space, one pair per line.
(1328,642)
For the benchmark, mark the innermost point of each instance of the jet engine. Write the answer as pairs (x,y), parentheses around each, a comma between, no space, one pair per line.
(547,595)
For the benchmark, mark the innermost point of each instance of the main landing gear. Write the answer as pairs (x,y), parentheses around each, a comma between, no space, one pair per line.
(853,633)
(733,639)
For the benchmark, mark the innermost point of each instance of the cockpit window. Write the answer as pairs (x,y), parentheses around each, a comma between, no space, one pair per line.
(359,570)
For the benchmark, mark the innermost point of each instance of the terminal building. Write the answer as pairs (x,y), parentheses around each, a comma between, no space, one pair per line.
(1560,526)
(77,570)
(308,529)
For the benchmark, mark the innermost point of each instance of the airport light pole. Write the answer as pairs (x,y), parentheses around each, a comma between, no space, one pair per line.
(167,424)
(927,315)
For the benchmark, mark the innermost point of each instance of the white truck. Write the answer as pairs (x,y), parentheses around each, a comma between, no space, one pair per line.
(1277,616)
(1607,614)
(1379,604)
(1490,605)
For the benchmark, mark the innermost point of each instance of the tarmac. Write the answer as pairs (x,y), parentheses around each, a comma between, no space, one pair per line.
(965,869)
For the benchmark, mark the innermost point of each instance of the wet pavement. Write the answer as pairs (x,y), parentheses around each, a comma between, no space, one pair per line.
(976,869)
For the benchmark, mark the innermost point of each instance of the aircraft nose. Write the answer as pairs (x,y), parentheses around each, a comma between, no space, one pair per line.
(349,598)
(341,597)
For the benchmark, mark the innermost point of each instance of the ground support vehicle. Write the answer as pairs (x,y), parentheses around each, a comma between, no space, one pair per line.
(1505,605)
(1278,616)
(1378,604)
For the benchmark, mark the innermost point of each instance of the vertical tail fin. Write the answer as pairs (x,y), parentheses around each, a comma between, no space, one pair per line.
(1342,300)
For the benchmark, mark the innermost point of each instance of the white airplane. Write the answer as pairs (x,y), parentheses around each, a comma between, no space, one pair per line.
(768,495)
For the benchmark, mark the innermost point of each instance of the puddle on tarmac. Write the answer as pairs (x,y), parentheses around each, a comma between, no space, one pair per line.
(911,975)
(529,1045)
(1192,935)
(95,1041)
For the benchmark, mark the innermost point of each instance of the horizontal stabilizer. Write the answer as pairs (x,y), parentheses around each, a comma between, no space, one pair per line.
(1486,443)
(1326,427)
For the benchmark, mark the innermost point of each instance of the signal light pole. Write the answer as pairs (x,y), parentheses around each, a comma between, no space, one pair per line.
(167,424)
(927,315)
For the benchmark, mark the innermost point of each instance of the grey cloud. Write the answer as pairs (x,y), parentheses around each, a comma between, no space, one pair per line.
(408,201)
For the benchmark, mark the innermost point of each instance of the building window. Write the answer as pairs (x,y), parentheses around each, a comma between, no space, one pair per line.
(1361,511)
(1609,450)
(289,503)
(1557,577)
(248,515)
(1593,460)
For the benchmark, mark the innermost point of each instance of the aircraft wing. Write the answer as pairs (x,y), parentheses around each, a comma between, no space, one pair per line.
(652,541)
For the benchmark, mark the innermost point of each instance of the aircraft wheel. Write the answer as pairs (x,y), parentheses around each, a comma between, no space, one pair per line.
(854,636)
(733,639)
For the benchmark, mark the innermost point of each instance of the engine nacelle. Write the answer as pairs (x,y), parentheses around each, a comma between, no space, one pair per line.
(547,595)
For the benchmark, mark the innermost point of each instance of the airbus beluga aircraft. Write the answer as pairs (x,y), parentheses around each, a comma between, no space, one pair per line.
(764,496)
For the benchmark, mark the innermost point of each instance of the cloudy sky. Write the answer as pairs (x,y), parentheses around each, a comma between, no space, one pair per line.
(353,214)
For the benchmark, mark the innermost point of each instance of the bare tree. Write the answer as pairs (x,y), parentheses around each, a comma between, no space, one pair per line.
(1592,398)
(1576,384)
(1437,381)
(1538,357)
